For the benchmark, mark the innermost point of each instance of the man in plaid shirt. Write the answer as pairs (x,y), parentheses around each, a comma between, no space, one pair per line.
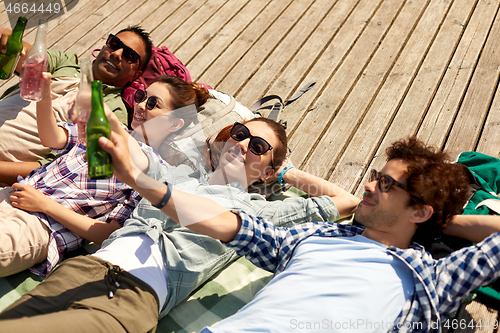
(370,277)
(64,181)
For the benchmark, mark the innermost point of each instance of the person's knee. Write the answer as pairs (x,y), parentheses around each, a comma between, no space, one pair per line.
(21,250)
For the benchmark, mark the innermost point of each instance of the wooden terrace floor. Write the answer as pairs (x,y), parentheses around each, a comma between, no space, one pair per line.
(385,69)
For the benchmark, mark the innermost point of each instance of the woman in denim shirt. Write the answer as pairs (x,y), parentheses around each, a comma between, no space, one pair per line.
(152,263)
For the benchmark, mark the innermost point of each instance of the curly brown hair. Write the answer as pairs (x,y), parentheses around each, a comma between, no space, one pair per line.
(212,154)
(434,181)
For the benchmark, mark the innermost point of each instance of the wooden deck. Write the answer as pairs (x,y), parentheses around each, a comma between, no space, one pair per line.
(385,69)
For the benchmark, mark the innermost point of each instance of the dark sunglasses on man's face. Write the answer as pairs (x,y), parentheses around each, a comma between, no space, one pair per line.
(141,95)
(257,145)
(385,182)
(115,43)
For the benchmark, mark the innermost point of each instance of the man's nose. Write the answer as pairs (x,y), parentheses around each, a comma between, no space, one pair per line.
(371,186)
(118,54)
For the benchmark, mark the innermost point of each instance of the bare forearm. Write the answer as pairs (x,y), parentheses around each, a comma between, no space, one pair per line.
(50,134)
(10,170)
(474,228)
(314,186)
(90,229)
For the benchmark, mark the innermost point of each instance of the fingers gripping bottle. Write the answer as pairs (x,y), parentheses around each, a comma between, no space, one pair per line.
(8,60)
(99,161)
(35,64)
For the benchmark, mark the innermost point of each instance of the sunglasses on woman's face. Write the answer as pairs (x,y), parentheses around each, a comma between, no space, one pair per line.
(141,95)
(257,145)
(115,43)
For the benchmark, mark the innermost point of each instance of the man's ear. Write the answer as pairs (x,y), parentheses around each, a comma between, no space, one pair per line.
(268,173)
(177,124)
(422,213)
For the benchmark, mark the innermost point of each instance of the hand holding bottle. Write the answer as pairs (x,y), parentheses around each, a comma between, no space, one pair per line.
(12,48)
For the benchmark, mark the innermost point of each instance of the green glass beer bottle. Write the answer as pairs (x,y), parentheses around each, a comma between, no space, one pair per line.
(8,60)
(99,161)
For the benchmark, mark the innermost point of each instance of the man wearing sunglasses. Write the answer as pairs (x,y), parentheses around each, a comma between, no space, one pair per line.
(370,277)
(122,59)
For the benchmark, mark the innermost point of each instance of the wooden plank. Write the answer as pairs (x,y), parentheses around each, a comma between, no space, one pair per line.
(326,56)
(473,111)
(286,50)
(339,87)
(199,62)
(140,16)
(210,29)
(445,105)
(489,141)
(104,28)
(199,19)
(170,23)
(423,88)
(226,60)
(146,16)
(246,66)
(93,19)
(79,14)
(414,44)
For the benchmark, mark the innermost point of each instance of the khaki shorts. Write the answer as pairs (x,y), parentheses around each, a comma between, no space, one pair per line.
(24,239)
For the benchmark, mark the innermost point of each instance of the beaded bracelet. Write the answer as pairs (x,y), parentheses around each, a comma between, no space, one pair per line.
(165,198)
(282,173)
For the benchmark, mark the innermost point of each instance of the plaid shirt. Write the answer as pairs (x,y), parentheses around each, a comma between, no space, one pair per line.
(440,285)
(65,180)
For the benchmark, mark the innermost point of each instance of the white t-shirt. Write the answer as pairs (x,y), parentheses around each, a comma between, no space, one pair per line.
(141,257)
(331,284)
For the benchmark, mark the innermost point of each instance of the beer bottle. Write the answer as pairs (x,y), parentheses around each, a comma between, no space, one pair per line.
(9,59)
(35,64)
(99,161)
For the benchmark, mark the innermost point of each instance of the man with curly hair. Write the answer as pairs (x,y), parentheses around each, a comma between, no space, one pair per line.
(368,277)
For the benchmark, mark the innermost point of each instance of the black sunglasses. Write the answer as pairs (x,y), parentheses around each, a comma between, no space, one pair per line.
(115,43)
(385,182)
(141,95)
(257,145)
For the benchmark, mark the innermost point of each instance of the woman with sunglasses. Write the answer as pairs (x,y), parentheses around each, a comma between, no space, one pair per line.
(152,263)
(54,192)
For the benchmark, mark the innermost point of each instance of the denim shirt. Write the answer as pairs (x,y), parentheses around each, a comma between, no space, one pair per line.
(191,258)
(440,285)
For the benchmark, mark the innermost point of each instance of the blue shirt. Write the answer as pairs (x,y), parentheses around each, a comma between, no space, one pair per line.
(368,285)
(440,285)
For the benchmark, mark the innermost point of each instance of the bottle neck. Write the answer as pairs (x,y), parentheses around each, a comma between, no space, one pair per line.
(17,33)
(41,33)
(97,99)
